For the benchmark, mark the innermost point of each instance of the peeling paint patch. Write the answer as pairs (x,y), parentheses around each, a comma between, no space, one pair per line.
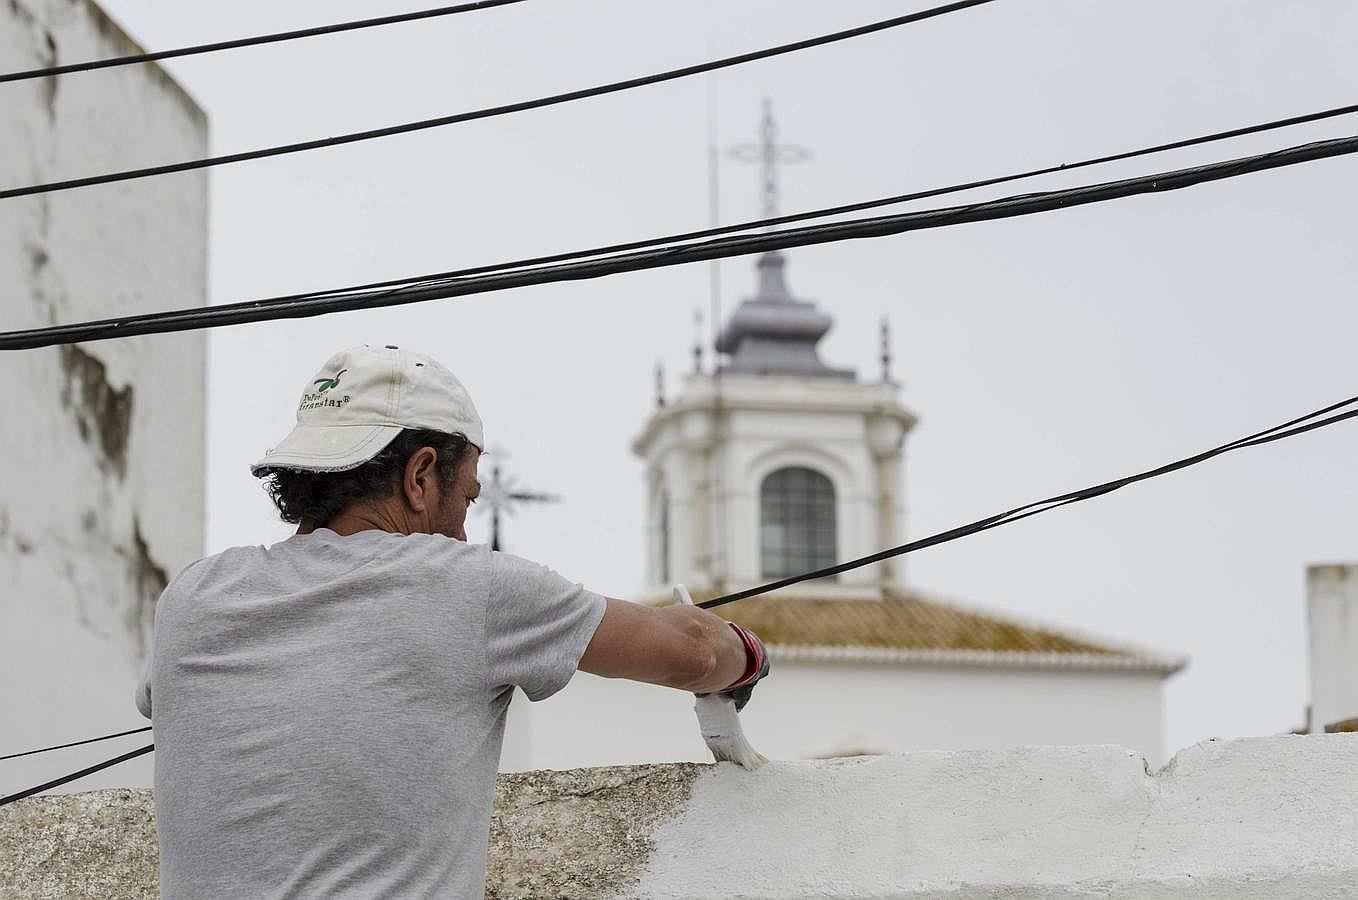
(150,579)
(38,258)
(45,50)
(22,12)
(11,539)
(49,84)
(103,414)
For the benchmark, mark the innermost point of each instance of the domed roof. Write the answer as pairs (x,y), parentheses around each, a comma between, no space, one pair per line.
(773,333)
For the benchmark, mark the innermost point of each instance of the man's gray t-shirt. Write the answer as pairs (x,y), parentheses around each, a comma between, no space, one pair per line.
(329,711)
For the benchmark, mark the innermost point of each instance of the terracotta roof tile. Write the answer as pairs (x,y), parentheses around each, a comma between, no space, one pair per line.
(909,625)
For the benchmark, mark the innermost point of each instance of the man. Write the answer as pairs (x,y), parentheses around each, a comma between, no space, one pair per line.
(329,710)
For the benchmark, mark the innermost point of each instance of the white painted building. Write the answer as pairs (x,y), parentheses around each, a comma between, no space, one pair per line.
(1332,636)
(101,445)
(778,464)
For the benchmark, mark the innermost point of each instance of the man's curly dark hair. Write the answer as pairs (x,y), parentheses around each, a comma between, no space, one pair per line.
(317,497)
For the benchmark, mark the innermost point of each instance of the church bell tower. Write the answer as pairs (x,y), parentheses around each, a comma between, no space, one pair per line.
(776,463)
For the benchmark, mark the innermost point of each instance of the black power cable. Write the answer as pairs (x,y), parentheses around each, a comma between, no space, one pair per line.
(304,306)
(66,779)
(334,28)
(107,737)
(817,213)
(1309,422)
(492,111)
(1322,418)
(827,211)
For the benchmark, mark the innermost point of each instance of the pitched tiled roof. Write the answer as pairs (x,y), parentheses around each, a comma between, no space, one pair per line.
(909,627)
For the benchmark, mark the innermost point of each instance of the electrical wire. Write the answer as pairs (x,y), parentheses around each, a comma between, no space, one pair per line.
(1321,417)
(1311,421)
(741,245)
(334,28)
(492,111)
(66,779)
(825,212)
(107,737)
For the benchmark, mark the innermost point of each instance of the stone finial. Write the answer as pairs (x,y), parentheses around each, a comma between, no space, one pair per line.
(886,349)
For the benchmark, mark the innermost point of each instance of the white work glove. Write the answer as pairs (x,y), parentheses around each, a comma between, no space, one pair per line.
(719,714)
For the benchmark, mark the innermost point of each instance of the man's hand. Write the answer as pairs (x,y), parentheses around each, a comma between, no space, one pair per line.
(718,719)
(758,667)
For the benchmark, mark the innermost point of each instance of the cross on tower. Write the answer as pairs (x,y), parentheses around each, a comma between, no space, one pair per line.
(502,497)
(769,153)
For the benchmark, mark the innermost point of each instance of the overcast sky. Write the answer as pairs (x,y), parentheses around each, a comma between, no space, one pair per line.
(1042,354)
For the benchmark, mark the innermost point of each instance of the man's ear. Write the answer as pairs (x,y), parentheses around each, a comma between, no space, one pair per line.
(420,479)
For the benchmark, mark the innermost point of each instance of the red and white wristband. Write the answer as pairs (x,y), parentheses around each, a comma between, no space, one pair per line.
(754,658)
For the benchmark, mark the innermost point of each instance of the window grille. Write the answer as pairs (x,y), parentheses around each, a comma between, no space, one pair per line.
(796,522)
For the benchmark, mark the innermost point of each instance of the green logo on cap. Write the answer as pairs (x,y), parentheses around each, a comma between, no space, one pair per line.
(325,384)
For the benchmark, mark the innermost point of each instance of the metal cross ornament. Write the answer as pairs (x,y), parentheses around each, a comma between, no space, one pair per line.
(502,497)
(769,153)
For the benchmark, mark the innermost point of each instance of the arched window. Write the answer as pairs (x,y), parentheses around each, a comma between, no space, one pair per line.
(796,522)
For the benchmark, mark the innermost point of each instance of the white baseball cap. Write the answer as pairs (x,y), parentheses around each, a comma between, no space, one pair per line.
(361,399)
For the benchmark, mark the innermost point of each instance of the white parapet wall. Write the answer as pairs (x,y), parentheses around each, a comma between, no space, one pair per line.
(1243,819)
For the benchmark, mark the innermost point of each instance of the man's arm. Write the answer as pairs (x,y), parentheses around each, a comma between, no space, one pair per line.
(676,646)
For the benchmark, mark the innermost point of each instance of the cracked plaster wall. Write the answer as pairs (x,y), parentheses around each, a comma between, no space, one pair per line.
(1254,819)
(101,444)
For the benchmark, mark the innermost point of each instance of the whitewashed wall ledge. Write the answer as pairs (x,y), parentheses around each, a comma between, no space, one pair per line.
(1255,818)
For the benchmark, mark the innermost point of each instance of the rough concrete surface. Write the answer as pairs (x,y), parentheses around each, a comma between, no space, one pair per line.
(580,833)
(99,845)
(1251,819)
(584,833)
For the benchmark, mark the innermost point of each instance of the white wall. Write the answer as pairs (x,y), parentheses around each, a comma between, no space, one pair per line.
(811,709)
(102,445)
(1332,632)
(1261,819)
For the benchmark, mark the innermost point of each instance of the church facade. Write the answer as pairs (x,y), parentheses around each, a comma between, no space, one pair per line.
(778,464)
